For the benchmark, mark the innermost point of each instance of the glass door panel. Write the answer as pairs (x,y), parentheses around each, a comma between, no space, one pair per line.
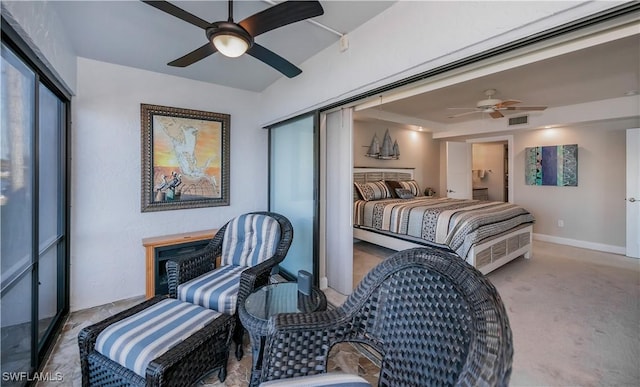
(50,191)
(49,185)
(16,202)
(16,329)
(292,187)
(47,290)
(16,212)
(33,214)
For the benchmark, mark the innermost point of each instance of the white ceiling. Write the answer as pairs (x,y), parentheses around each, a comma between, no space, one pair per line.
(601,72)
(134,34)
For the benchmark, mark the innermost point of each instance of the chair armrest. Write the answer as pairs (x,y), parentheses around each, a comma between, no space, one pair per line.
(185,267)
(254,277)
(298,344)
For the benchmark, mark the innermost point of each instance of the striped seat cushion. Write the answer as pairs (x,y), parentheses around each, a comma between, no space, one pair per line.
(217,289)
(334,379)
(137,340)
(250,239)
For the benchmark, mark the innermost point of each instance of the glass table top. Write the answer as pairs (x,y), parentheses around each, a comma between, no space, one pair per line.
(283,297)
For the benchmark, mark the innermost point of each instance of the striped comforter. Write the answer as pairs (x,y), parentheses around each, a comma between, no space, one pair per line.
(456,223)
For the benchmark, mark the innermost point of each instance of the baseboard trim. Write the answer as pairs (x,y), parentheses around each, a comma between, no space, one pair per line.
(582,244)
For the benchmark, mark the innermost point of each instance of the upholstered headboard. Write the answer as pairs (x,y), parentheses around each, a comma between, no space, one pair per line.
(366,175)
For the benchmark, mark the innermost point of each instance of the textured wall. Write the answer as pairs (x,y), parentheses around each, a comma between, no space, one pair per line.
(40,26)
(107,257)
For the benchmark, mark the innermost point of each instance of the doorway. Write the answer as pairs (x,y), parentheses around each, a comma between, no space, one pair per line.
(492,164)
(490,171)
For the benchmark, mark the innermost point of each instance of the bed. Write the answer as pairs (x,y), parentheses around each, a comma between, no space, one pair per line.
(486,234)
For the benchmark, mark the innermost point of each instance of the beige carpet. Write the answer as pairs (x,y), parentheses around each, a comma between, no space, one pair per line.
(575,317)
(574,313)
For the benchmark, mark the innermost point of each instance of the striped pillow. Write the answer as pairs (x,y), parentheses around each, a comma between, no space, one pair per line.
(373,191)
(412,186)
(137,340)
(217,289)
(250,239)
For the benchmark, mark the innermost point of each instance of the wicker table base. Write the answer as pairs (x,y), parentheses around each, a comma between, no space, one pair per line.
(183,365)
(268,301)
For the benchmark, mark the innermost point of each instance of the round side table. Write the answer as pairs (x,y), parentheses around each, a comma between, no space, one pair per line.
(268,301)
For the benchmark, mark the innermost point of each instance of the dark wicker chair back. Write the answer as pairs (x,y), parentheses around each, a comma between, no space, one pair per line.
(181,269)
(434,319)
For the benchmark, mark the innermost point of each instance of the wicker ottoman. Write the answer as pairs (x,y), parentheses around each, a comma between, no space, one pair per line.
(160,342)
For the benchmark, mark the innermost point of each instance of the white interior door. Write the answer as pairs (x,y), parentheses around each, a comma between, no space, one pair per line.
(459,170)
(633,193)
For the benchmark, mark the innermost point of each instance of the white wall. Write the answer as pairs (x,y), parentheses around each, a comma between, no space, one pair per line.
(594,211)
(45,33)
(107,257)
(417,150)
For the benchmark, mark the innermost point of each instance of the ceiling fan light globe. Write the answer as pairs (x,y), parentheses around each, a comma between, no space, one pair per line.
(230,45)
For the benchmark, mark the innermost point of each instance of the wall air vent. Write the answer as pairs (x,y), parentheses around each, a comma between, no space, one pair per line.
(520,120)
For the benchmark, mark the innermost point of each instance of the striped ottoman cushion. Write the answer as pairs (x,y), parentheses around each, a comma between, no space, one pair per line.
(250,239)
(334,379)
(134,341)
(217,289)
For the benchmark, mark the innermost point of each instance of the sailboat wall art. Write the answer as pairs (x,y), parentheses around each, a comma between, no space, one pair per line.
(389,150)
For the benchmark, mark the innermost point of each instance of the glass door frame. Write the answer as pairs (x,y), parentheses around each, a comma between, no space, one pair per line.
(316,185)
(40,348)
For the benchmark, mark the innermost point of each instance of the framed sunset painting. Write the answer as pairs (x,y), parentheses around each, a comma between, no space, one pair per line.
(185,158)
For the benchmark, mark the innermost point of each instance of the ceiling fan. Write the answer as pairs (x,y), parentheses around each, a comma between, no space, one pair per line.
(493,106)
(234,39)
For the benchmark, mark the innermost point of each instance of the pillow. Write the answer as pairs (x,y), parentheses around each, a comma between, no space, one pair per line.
(373,191)
(404,193)
(412,186)
(392,184)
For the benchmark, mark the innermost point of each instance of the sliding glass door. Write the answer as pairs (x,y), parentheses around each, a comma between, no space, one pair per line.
(293,187)
(33,215)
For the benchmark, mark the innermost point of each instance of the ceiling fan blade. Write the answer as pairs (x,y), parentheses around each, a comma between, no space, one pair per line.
(280,15)
(194,56)
(274,60)
(496,114)
(465,113)
(525,108)
(180,13)
(507,102)
(460,108)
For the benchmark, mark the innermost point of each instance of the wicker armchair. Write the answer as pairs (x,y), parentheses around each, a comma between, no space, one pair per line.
(240,279)
(434,319)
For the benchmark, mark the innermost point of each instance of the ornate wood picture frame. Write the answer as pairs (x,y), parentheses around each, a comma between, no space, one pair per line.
(185,158)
